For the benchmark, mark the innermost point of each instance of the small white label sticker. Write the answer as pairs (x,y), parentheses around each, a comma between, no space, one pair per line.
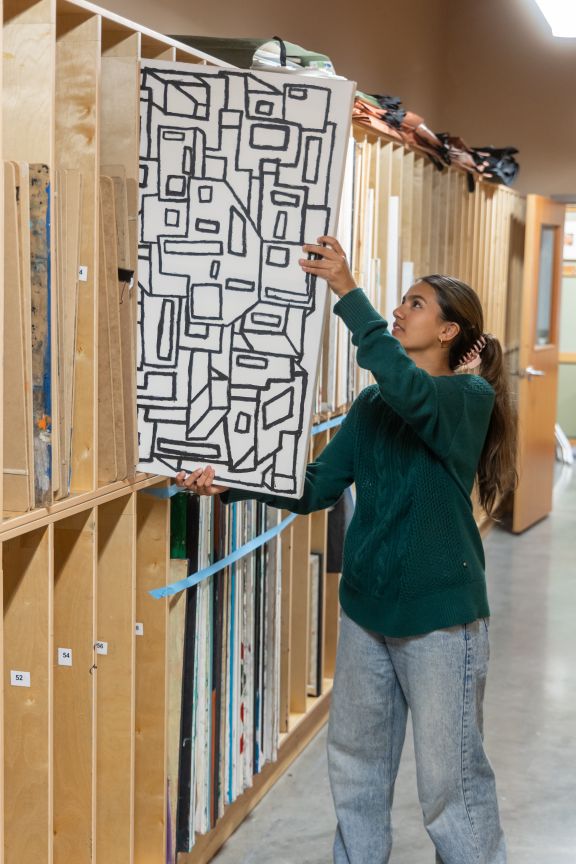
(64,656)
(101,647)
(139,628)
(19,679)
(82,274)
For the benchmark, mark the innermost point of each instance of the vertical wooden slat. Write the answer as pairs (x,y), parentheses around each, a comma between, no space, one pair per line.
(384,156)
(435,221)
(76,125)
(507,227)
(119,136)
(1,403)
(286,627)
(476,238)
(363,238)
(417,201)
(27,591)
(152,570)
(469,234)
(443,221)
(463,232)
(2,766)
(115,698)
(453,224)
(300,614)
(492,286)
(375,184)
(357,209)
(393,283)
(331,613)
(74,687)
(427,224)
(318,544)
(406,207)
(487,258)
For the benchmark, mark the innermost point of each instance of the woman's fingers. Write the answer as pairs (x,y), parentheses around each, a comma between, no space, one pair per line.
(206,477)
(333,243)
(327,247)
(200,481)
(323,252)
(330,264)
(186,480)
(307,264)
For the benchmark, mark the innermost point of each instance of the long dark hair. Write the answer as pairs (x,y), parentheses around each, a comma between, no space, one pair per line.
(496,474)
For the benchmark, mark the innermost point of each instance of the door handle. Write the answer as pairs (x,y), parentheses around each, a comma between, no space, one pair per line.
(530,372)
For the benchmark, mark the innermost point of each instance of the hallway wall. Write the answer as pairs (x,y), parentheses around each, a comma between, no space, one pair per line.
(490,72)
(508,81)
(390,47)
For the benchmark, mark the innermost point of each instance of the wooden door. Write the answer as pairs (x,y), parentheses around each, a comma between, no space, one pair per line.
(538,361)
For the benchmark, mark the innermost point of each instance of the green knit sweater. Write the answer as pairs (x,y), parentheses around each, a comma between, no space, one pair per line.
(413,557)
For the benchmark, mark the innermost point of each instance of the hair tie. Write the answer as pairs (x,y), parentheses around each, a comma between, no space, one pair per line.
(472,358)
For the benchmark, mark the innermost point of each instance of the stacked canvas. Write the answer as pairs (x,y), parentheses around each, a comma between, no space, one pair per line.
(117,444)
(42,342)
(39,332)
(224,663)
(315,640)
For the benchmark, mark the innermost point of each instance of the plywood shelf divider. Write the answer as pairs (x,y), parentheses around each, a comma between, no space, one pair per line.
(74,687)
(115,669)
(151,720)
(286,626)
(299,640)
(27,564)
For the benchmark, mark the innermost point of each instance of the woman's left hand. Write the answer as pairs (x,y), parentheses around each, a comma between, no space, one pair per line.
(331,265)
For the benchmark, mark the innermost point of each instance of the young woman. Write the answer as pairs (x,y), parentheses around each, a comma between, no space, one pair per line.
(414,628)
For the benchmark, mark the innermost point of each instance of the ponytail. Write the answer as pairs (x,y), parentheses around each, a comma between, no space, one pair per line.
(497,467)
(496,471)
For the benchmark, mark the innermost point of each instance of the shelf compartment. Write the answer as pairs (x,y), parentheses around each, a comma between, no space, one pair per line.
(74,687)
(152,569)
(116,528)
(27,600)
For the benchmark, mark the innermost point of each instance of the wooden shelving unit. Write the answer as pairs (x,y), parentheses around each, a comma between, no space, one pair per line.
(84,746)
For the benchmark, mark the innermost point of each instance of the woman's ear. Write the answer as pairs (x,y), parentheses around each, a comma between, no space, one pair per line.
(449,331)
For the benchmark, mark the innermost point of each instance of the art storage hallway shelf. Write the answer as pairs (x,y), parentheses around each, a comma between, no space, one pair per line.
(530,721)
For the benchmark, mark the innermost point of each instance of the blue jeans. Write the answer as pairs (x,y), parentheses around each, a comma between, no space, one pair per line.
(440,677)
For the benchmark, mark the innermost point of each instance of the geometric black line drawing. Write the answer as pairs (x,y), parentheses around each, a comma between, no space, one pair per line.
(237,170)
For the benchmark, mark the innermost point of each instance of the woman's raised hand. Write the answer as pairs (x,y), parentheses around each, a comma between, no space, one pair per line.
(199,481)
(331,265)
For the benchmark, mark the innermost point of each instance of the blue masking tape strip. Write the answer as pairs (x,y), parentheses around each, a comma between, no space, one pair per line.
(200,575)
(328,424)
(164,492)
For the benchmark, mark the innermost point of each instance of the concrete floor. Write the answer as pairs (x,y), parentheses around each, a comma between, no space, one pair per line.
(530,718)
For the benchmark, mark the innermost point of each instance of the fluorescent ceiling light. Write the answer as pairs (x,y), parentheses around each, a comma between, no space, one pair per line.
(561,16)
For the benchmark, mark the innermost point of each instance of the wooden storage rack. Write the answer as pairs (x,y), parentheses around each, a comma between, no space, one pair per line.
(84,748)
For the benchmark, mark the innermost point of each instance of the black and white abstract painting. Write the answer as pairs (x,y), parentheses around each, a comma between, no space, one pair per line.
(237,170)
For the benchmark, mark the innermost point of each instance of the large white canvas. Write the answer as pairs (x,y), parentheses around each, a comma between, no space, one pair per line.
(237,170)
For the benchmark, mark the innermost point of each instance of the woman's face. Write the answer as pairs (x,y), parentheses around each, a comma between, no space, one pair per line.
(418,324)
